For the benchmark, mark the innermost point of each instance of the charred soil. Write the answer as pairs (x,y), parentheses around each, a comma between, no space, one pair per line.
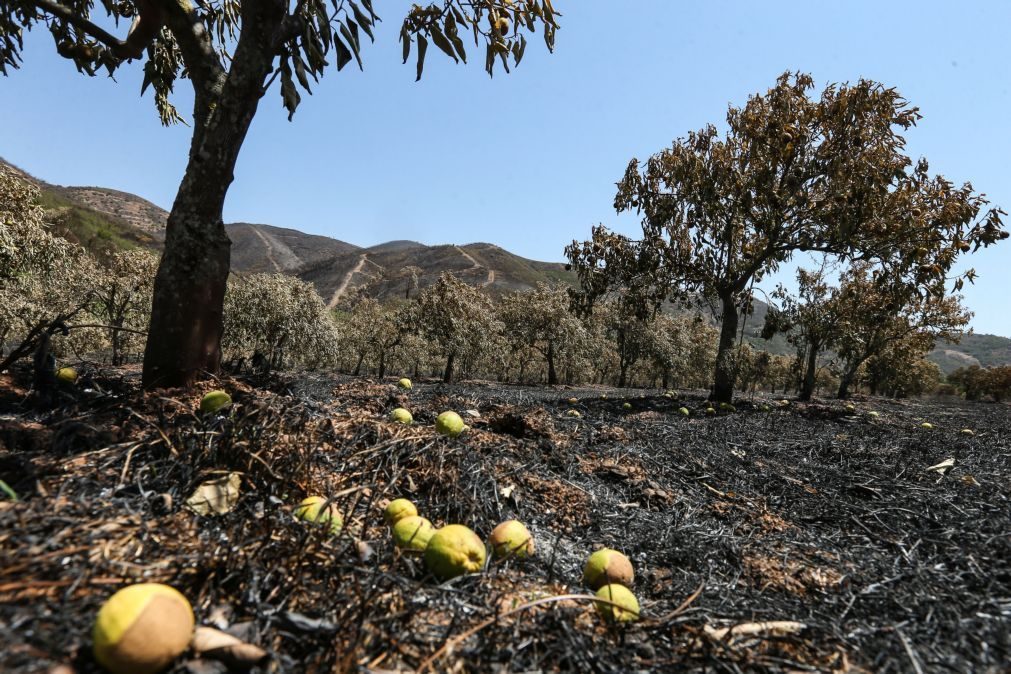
(821,520)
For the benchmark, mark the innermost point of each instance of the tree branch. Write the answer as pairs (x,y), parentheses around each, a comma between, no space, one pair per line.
(68,15)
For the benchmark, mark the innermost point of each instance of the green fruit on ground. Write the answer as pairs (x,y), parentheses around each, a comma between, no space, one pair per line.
(142,628)
(311,509)
(214,402)
(67,374)
(927,425)
(967,431)
(453,551)
(405,383)
(449,424)
(710,411)
(573,413)
(727,407)
(511,539)
(627,609)
(398,509)
(873,413)
(401,416)
(684,411)
(413,533)
(607,566)
(626,406)
(766,408)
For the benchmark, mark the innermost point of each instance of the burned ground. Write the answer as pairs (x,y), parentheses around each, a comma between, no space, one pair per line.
(804,513)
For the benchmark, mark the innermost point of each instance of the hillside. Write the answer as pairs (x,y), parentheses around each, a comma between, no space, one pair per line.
(383,271)
(264,248)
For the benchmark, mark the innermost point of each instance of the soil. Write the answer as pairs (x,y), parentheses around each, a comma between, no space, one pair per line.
(816,533)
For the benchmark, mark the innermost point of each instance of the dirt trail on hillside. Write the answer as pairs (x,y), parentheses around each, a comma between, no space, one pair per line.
(288,258)
(477,265)
(347,279)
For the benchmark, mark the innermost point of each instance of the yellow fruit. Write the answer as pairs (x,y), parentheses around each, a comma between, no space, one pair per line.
(311,510)
(628,606)
(573,413)
(502,26)
(727,407)
(398,509)
(927,425)
(573,401)
(684,411)
(710,411)
(67,374)
(873,413)
(405,383)
(607,566)
(967,431)
(449,424)
(214,402)
(453,551)
(142,628)
(413,533)
(851,408)
(401,416)
(511,539)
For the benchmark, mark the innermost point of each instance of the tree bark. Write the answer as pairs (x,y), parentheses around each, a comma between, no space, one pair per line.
(447,376)
(845,382)
(810,374)
(552,375)
(726,369)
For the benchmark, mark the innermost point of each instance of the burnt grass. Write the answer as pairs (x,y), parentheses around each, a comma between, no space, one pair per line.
(806,513)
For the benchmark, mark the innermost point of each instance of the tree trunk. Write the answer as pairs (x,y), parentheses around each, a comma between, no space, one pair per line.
(552,375)
(184,337)
(726,370)
(447,376)
(358,366)
(811,372)
(623,376)
(382,364)
(845,382)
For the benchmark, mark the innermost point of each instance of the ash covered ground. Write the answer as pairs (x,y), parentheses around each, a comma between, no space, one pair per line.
(808,514)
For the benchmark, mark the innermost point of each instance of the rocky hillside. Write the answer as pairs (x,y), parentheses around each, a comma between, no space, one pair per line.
(264,248)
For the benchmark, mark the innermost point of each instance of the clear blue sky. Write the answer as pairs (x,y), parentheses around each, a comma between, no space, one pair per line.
(528,161)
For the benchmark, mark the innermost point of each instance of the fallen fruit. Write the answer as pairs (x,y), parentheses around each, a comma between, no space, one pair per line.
(405,383)
(607,566)
(927,425)
(413,533)
(67,374)
(401,416)
(626,406)
(873,413)
(573,401)
(449,424)
(573,413)
(311,510)
(398,509)
(453,551)
(710,411)
(142,628)
(214,402)
(850,407)
(511,539)
(967,431)
(684,411)
(627,609)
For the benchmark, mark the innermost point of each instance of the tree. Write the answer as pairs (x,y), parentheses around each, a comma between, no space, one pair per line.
(232,53)
(540,319)
(43,278)
(791,173)
(275,319)
(809,321)
(876,314)
(122,294)
(457,318)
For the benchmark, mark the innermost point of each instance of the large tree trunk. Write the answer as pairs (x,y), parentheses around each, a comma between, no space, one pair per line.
(846,381)
(552,375)
(184,337)
(726,369)
(447,376)
(811,372)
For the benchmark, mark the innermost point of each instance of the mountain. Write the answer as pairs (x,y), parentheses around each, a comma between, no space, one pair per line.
(105,220)
(265,248)
(384,272)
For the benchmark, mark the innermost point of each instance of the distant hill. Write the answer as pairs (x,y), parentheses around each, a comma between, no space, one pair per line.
(104,220)
(383,271)
(265,248)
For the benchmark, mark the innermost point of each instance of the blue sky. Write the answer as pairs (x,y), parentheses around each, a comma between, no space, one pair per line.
(528,161)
